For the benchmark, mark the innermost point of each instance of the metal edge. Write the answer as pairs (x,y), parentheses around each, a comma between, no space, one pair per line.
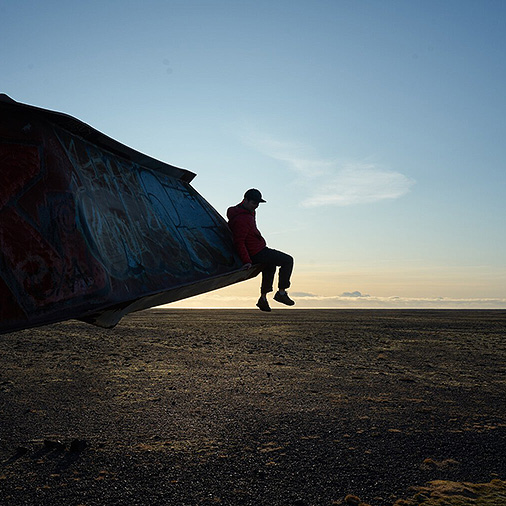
(90,134)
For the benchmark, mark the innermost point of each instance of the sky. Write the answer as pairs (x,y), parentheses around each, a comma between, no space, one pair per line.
(375,129)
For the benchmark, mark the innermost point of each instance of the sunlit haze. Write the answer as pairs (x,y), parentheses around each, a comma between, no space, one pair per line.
(375,130)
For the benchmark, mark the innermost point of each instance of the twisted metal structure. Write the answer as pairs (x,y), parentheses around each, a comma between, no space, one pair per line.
(92,229)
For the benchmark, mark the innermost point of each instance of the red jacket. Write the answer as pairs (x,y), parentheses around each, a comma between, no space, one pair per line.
(248,240)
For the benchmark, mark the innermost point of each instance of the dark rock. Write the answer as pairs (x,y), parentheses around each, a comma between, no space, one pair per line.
(20,451)
(53,445)
(78,445)
(352,500)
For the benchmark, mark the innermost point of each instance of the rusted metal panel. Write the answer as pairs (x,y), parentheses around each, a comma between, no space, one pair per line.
(92,229)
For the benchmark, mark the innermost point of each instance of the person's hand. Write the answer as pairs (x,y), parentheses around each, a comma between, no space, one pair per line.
(246,266)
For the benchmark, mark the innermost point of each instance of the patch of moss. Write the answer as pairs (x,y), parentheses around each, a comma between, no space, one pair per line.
(452,493)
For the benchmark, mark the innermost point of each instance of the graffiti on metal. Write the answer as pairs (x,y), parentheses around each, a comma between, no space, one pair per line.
(86,229)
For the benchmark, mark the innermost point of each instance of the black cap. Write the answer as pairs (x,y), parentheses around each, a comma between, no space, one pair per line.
(254,194)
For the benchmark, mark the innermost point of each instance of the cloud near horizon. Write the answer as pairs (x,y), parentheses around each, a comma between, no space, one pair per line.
(305,300)
(334,183)
(356,293)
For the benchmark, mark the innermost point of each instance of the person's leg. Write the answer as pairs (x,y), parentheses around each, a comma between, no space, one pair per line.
(271,258)
(285,271)
(268,272)
(285,263)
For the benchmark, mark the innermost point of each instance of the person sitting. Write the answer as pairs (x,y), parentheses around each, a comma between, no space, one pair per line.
(252,249)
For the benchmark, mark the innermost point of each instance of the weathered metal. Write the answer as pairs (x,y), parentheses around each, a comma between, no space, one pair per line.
(92,229)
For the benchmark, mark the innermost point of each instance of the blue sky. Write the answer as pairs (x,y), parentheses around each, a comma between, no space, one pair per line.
(375,129)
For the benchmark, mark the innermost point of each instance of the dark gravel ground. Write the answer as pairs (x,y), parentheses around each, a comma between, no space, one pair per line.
(295,407)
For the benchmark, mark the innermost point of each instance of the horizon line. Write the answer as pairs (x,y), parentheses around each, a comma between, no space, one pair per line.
(333,308)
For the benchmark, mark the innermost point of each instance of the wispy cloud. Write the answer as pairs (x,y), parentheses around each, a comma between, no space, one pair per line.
(359,184)
(333,183)
(294,156)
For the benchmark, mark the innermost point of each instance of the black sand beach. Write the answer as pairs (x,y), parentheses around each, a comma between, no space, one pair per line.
(295,407)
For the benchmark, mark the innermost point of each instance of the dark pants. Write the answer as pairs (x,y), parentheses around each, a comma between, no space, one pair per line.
(270,259)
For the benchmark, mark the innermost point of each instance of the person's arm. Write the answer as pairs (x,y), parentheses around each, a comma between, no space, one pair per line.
(240,229)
